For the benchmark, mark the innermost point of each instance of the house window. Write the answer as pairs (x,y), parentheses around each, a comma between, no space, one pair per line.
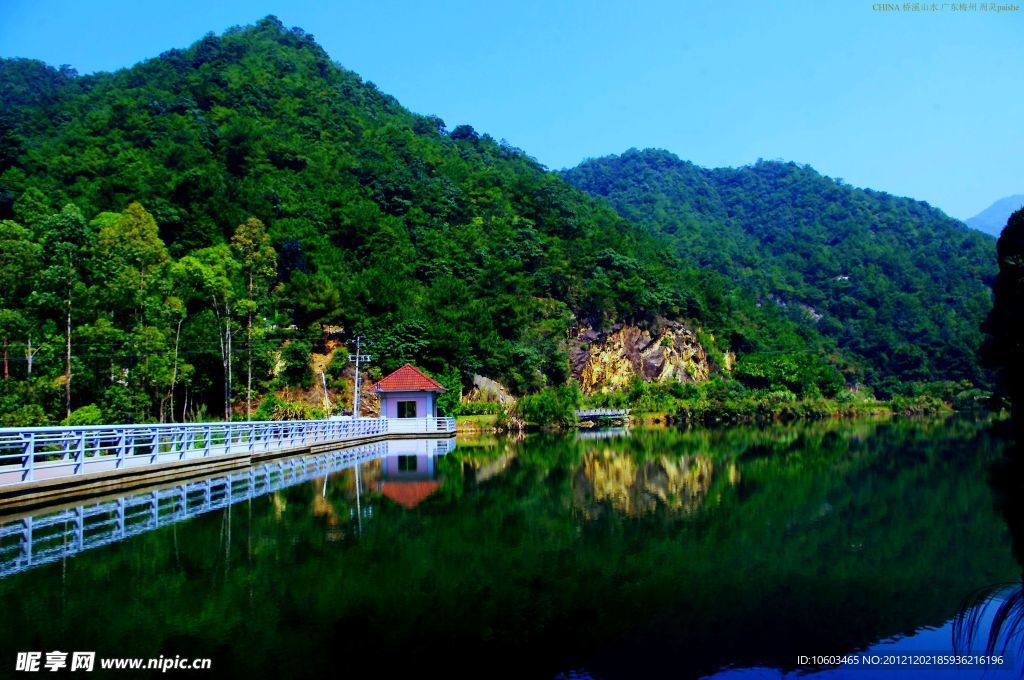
(407,409)
(407,463)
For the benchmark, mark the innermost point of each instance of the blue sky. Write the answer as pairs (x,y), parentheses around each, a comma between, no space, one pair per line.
(921,104)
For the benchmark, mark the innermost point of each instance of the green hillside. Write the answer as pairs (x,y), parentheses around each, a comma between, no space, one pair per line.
(899,285)
(178,232)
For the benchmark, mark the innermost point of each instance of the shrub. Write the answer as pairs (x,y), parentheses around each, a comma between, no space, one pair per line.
(295,356)
(89,414)
(480,408)
(550,406)
(449,403)
(28,415)
(276,408)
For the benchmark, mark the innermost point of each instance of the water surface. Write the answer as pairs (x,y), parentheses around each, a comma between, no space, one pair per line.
(609,554)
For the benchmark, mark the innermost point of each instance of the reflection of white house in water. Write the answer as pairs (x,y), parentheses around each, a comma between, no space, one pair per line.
(409,471)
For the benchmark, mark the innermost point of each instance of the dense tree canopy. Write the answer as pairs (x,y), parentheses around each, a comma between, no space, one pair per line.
(896,283)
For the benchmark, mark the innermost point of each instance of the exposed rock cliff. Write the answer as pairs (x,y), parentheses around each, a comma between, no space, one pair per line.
(607,361)
(485,389)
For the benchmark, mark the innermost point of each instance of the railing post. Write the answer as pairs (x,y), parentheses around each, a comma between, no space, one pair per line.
(26,552)
(80,453)
(28,467)
(80,527)
(120,518)
(122,443)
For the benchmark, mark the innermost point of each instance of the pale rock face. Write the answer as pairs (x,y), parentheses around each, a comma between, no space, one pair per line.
(485,389)
(608,361)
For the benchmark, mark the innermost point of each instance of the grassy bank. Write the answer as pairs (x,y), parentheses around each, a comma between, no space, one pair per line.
(718,401)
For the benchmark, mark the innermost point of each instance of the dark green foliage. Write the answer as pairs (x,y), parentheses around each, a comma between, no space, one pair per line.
(1004,349)
(550,406)
(295,356)
(803,374)
(277,408)
(480,408)
(90,414)
(779,387)
(897,284)
(448,403)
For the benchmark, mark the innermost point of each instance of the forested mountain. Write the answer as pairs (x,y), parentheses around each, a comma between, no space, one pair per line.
(897,283)
(177,234)
(992,219)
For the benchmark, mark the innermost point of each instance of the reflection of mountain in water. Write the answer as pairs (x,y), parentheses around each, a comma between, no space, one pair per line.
(634,488)
(487,468)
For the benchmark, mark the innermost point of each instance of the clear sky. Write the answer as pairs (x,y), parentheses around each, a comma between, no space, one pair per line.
(921,104)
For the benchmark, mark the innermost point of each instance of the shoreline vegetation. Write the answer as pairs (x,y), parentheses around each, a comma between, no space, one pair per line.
(715,402)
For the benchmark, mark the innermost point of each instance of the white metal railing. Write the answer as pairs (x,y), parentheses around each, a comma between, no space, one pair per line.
(48,536)
(602,413)
(38,453)
(420,425)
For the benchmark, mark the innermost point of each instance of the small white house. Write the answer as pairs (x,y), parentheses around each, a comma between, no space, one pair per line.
(408,393)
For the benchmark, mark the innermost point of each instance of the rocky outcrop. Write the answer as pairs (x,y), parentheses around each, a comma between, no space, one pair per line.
(608,361)
(485,389)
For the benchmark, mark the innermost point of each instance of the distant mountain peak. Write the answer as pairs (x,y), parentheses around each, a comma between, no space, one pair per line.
(992,219)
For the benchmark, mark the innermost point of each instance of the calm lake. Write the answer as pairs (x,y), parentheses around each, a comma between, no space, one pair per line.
(605,554)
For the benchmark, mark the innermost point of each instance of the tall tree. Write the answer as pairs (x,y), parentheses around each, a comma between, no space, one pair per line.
(259,264)
(129,248)
(215,272)
(133,261)
(67,248)
(19,261)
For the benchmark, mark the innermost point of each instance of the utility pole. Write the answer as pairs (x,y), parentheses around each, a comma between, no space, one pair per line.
(327,400)
(357,358)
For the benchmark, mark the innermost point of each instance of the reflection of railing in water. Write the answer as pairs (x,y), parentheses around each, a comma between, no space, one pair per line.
(603,433)
(31,541)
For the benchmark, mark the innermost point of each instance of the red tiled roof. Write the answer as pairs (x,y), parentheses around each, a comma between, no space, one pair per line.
(408,378)
(409,494)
